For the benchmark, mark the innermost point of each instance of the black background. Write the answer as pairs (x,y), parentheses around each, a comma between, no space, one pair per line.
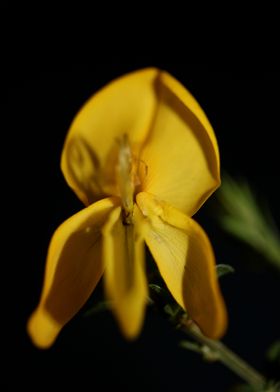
(242,104)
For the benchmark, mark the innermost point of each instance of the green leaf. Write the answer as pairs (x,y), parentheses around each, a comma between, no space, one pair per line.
(99,307)
(224,269)
(169,310)
(273,353)
(173,310)
(162,292)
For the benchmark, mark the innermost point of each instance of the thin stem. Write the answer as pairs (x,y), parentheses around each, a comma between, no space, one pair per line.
(224,355)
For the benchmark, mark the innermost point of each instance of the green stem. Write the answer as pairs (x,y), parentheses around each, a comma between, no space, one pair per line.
(224,355)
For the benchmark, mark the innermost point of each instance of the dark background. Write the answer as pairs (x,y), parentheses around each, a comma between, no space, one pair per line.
(44,95)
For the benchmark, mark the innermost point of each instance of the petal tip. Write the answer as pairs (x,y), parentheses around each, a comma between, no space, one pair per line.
(216,326)
(131,330)
(42,329)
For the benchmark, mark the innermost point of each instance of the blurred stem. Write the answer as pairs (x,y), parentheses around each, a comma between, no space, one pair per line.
(236,364)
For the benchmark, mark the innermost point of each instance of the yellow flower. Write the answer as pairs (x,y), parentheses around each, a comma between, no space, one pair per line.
(142,156)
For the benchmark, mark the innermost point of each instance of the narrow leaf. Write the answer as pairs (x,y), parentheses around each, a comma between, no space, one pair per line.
(99,307)
(224,269)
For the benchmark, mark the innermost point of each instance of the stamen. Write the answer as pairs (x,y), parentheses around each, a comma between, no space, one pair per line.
(125,178)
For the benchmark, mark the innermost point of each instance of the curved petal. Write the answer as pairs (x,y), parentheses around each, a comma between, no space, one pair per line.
(73,269)
(181,152)
(124,106)
(125,280)
(186,262)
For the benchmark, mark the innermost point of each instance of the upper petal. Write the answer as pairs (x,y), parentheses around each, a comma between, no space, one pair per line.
(186,262)
(73,268)
(181,152)
(124,106)
(125,279)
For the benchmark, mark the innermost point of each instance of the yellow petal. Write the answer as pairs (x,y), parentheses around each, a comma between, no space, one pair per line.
(186,262)
(124,106)
(181,151)
(125,280)
(73,269)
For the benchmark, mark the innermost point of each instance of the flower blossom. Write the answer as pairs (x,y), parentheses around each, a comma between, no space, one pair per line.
(142,157)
